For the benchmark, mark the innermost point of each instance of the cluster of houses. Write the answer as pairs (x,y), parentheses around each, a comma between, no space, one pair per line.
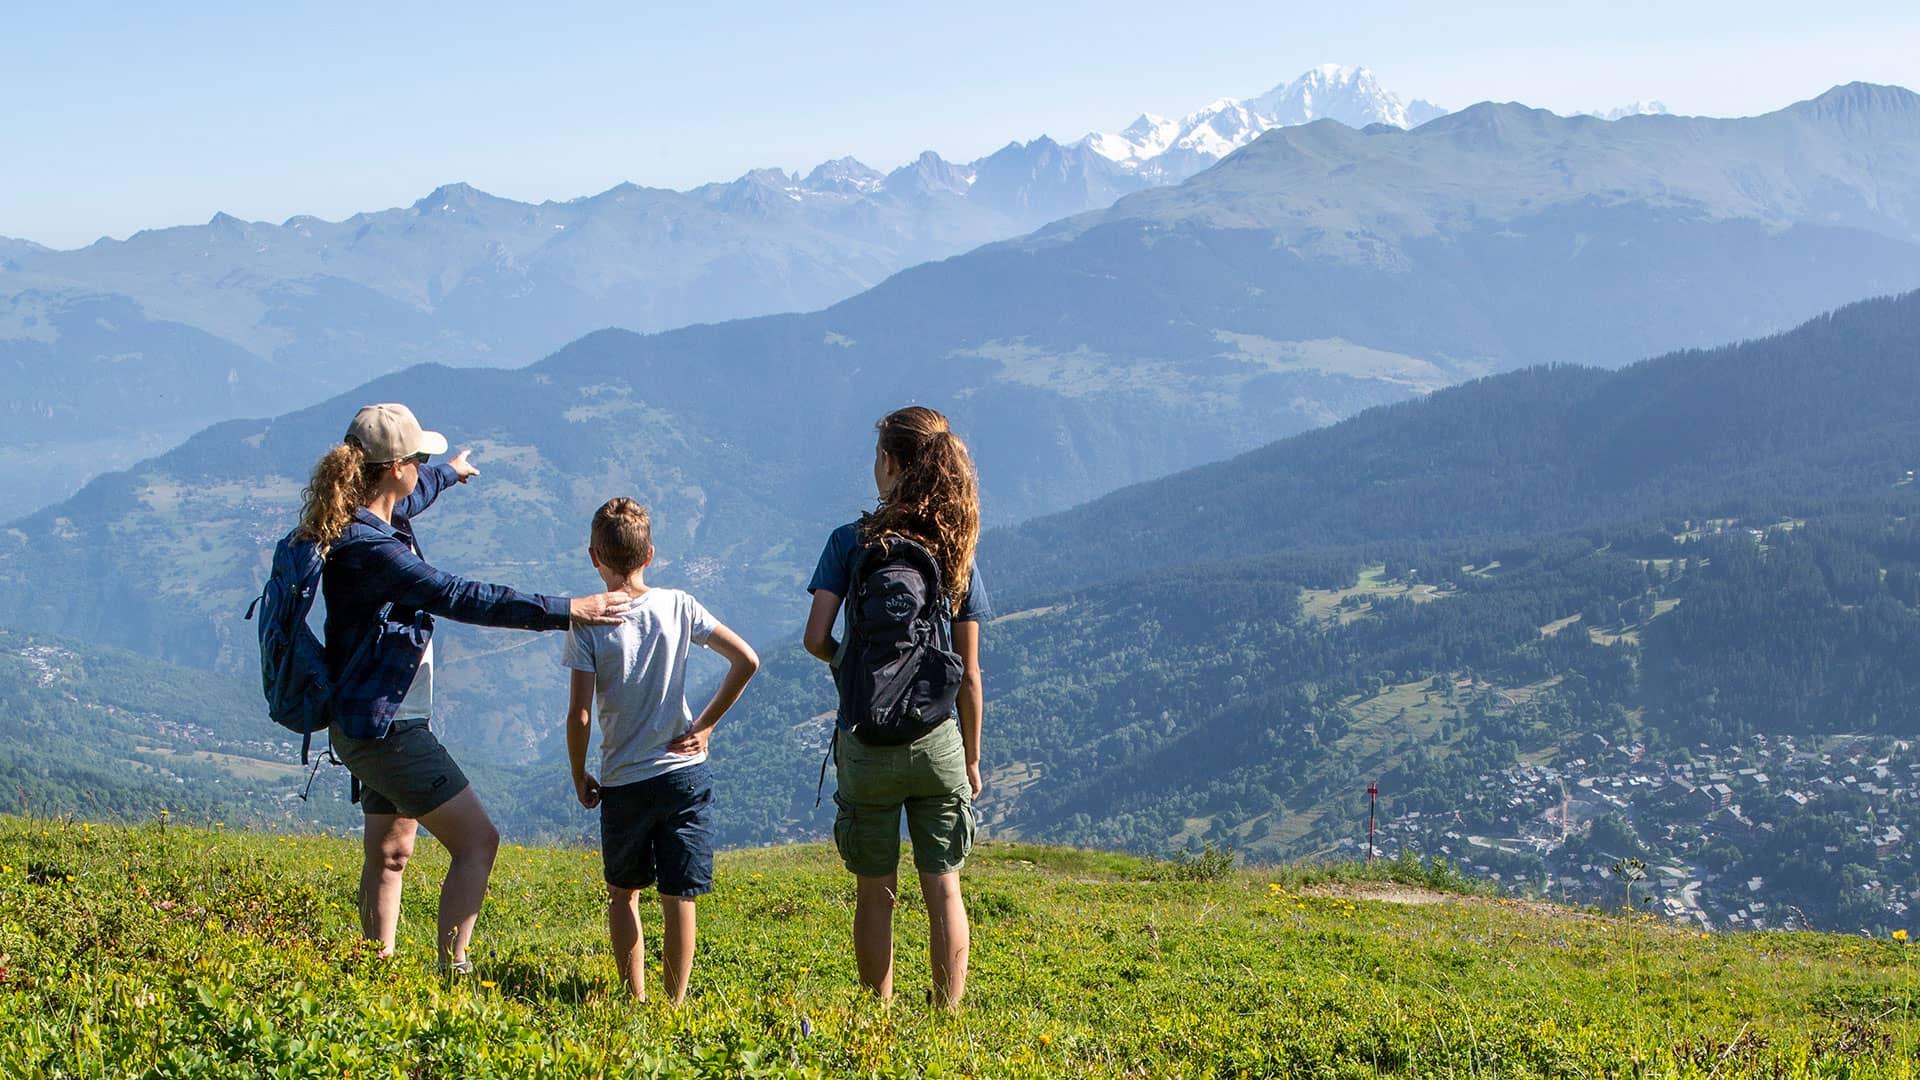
(1676,804)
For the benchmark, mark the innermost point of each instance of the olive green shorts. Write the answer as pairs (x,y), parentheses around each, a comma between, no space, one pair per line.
(926,778)
(407,773)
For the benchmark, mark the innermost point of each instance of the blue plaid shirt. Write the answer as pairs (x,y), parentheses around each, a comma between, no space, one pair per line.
(381,599)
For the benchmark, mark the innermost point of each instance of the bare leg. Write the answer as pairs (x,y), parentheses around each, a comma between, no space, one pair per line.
(676,960)
(873,933)
(623,925)
(461,824)
(385,848)
(948,937)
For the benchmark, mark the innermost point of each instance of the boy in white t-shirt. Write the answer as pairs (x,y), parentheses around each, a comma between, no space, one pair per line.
(654,792)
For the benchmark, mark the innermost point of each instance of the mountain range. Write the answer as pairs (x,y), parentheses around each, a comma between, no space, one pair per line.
(171,329)
(1316,272)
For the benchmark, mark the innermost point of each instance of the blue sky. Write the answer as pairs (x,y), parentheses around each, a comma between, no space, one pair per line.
(125,116)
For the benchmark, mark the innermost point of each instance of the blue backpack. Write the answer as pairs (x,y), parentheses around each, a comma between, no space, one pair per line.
(293,664)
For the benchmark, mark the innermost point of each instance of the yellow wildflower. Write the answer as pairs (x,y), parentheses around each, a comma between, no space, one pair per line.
(1046,1039)
(1900,936)
(488,984)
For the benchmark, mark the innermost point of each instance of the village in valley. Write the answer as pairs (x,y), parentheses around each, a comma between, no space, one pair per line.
(1719,830)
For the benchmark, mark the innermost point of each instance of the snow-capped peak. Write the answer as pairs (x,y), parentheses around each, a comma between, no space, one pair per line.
(1634,108)
(1173,149)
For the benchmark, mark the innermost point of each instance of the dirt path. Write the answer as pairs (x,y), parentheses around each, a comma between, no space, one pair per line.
(1417,896)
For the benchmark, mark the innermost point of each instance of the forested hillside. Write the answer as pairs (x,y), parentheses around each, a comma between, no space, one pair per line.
(1558,621)
(1824,409)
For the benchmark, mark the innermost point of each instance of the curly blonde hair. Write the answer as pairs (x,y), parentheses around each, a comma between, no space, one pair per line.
(936,499)
(340,485)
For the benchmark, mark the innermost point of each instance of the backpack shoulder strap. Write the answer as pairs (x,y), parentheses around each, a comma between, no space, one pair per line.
(929,567)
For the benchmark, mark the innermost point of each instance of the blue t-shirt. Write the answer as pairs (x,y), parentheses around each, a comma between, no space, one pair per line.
(834,573)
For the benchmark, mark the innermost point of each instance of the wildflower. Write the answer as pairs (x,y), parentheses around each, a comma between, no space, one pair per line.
(1900,936)
(326,866)
(1046,1039)
(488,984)
(806,1027)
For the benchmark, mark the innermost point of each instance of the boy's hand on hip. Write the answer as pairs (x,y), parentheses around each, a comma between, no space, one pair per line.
(588,789)
(973,777)
(463,468)
(693,742)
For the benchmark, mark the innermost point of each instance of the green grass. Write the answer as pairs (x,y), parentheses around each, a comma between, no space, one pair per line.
(1348,605)
(190,952)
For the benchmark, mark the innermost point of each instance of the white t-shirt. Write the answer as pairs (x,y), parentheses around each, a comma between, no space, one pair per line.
(418,704)
(639,671)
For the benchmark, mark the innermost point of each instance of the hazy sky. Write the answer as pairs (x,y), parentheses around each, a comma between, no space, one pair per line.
(125,116)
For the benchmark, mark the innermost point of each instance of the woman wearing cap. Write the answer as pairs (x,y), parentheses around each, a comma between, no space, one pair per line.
(381,599)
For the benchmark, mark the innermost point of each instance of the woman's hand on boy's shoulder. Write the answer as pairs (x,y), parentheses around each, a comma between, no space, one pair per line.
(463,469)
(600,609)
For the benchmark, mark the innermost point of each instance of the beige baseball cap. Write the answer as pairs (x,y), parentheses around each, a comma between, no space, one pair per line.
(390,432)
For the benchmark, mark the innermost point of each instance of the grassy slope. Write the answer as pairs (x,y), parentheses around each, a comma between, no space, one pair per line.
(195,952)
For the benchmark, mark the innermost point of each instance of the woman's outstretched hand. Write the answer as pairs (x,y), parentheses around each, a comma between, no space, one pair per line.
(463,468)
(600,609)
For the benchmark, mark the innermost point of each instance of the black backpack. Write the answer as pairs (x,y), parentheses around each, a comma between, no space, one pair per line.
(899,676)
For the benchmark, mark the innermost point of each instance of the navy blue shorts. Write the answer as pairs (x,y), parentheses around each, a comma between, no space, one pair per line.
(659,831)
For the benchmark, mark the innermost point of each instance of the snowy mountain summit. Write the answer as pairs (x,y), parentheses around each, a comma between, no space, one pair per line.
(1633,108)
(1171,150)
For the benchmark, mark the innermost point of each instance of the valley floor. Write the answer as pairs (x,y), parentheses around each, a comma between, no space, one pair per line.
(175,951)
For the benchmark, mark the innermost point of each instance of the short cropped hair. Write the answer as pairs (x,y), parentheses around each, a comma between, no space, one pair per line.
(622,535)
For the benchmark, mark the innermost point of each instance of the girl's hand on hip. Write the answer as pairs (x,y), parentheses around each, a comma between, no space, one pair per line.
(600,609)
(463,468)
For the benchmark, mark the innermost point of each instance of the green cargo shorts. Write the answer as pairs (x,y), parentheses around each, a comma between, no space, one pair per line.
(928,779)
(407,773)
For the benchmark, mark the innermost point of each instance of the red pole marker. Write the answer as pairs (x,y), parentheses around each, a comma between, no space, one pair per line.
(1373,796)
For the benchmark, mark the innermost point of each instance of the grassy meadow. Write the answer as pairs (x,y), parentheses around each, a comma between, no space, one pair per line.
(173,951)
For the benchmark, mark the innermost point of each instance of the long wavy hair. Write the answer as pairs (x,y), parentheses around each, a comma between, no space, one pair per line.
(340,485)
(935,501)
